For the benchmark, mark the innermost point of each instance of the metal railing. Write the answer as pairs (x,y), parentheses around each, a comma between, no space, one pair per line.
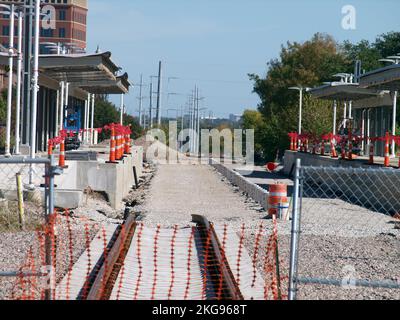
(345,239)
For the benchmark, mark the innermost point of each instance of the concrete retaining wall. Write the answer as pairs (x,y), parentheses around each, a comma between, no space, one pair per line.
(254,191)
(116,180)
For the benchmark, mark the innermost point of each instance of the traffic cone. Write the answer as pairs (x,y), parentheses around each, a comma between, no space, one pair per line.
(387,150)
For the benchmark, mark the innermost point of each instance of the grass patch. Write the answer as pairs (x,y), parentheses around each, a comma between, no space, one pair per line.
(9,217)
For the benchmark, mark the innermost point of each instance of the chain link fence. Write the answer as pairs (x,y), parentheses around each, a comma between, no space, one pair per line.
(345,234)
(26,207)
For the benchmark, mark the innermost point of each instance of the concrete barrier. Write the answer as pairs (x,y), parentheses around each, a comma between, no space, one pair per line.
(309,160)
(253,190)
(116,180)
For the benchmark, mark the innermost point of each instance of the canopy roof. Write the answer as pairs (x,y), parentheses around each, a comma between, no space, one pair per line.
(387,78)
(341,91)
(96,73)
(79,69)
(118,86)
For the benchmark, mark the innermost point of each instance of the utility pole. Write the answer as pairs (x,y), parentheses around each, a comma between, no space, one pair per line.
(198,123)
(140,100)
(159,94)
(151,105)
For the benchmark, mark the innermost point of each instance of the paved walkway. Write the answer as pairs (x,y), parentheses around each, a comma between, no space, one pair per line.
(178,191)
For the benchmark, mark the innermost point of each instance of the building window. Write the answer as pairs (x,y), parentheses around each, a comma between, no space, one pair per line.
(46,33)
(63,15)
(61,33)
(6,30)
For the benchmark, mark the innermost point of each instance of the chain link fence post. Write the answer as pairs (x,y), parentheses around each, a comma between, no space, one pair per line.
(294,254)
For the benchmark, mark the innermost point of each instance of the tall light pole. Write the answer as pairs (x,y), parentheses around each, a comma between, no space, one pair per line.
(393,60)
(300,89)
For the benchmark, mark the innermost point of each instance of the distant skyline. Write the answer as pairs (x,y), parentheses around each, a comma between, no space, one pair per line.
(214,44)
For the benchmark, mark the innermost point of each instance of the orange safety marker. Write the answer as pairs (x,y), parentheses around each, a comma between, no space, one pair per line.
(127,144)
(277,199)
(112,146)
(387,150)
(343,151)
(371,154)
(350,154)
(323,148)
(61,162)
(292,142)
(333,148)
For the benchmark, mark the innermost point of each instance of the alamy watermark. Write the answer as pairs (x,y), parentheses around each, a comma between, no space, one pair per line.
(349,19)
(227,145)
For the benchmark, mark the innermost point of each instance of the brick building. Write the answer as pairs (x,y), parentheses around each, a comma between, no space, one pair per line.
(71,23)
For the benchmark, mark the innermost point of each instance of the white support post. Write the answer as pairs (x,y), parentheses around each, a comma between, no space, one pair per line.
(121,120)
(363,131)
(10,82)
(334,117)
(19,88)
(394,123)
(85,134)
(35,88)
(345,116)
(61,107)
(92,122)
(66,102)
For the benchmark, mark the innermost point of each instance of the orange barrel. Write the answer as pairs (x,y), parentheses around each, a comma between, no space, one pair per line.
(371,154)
(277,199)
(387,150)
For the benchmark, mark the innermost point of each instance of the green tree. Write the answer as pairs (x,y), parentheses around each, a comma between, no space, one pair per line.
(308,64)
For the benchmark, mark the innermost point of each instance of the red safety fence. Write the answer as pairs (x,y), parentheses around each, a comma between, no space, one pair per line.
(120,142)
(148,263)
(346,144)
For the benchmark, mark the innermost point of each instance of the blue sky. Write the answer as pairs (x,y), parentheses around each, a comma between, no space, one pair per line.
(214,44)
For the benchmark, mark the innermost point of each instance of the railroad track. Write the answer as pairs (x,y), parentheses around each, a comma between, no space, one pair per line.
(143,263)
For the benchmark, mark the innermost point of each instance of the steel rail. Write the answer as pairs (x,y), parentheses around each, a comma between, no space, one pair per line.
(99,287)
(231,288)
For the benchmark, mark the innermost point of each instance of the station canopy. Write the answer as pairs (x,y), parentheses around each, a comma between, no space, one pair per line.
(96,74)
(387,78)
(341,91)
